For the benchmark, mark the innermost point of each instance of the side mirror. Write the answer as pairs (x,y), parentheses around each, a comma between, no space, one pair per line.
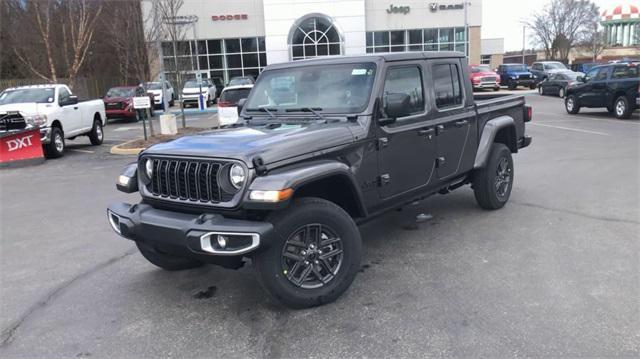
(240,104)
(397,105)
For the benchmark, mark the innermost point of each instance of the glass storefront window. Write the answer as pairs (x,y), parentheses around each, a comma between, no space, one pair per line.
(446,35)
(430,36)
(444,39)
(232,46)
(460,34)
(415,36)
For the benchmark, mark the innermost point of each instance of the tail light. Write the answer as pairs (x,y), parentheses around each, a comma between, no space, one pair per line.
(528,113)
(225,103)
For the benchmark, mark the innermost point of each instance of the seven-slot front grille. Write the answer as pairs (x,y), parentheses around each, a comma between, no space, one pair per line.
(188,180)
(524,76)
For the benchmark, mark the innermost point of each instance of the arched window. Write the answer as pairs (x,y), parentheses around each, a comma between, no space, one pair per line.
(314,36)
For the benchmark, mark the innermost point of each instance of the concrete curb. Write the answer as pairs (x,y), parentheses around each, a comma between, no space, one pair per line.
(118,150)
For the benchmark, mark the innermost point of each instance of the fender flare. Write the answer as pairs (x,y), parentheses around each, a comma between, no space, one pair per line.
(491,128)
(296,176)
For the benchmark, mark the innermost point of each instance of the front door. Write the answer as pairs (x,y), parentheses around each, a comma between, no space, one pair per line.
(406,146)
(71,116)
(453,120)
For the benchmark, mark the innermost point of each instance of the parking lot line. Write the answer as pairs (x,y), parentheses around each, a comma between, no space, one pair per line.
(572,129)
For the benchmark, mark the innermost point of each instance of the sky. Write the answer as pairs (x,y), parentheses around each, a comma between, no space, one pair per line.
(502,18)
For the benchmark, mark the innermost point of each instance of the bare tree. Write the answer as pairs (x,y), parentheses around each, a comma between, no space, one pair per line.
(561,25)
(595,43)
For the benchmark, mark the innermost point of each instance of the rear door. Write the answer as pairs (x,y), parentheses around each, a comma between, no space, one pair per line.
(406,148)
(600,87)
(453,117)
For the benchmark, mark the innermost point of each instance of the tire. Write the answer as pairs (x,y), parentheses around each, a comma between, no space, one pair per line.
(492,184)
(497,88)
(561,92)
(571,104)
(621,108)
(166,261)
(532,87)
(540,90)
(96,136)
(55,148)
(283,277)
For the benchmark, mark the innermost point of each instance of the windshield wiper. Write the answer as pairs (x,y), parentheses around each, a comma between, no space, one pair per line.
(313,110)
(264,109)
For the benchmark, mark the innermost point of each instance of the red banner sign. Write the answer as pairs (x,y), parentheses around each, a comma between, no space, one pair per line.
(21,146)
(229,17)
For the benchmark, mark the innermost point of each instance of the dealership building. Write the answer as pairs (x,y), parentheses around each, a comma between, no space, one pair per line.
(239,38)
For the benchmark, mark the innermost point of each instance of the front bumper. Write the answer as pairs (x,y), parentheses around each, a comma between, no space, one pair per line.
(193,97)
(181,233)
(525,82)
(486,85)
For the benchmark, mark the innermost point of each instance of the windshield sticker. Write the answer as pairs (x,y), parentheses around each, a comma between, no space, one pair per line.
(360,72)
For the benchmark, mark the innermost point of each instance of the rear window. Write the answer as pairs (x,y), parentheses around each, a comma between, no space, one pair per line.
(234,95)
(625,72)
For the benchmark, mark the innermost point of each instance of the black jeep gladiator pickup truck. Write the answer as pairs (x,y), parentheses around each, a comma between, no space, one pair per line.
(324,144)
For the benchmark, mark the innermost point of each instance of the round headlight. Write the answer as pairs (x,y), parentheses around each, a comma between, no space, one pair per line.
(237,176)
(148,168)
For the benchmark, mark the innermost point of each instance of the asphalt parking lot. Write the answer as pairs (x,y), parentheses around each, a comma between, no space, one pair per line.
(556,273)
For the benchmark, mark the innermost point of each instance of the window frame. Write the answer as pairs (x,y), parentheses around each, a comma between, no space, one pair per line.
(414,117)
(463,91)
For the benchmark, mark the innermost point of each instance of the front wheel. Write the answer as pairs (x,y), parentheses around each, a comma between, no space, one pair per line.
(96,135)
(165,260)
(621,107)
(313,256)
(532,87)
(512,85)
(571,104)
(492,184)
(55,148)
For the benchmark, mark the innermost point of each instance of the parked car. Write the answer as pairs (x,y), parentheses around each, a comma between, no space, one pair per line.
(191,92)
(156,89)
(288,189)
(58,113)
(482,77)
(557,83)
(614,87)
(542,69)
(514,75)
(118,101)
(241,80)
(228,103)
(584,67)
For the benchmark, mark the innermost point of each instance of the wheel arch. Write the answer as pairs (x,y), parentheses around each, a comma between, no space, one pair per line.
(58,124)
(501,129)
(326,179)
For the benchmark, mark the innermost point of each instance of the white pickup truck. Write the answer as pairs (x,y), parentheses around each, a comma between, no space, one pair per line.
(57,112)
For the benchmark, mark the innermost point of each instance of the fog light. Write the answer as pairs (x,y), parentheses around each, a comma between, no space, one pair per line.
(222,241)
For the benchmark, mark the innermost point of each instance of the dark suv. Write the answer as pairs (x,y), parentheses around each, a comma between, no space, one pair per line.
(614,86)
(323,145)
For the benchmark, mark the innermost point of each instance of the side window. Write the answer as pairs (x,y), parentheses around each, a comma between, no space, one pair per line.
(446,86)
(625,72)
(537,67)
(405,80)
(591,75)
(63,95)
(602,74)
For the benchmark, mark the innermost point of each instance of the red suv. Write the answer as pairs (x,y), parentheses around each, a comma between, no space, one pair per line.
(118,102)
(482,77)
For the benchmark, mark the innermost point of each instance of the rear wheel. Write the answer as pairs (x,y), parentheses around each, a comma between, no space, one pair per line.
(55,148)
(492,184)
(165,260)
(571,104)
(314,254)
(621,107)
(96,135)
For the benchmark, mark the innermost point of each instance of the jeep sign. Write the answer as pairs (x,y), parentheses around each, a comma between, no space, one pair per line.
(398,9)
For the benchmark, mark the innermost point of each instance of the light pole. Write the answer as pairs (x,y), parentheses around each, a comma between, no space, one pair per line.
(466,31)
(523,44)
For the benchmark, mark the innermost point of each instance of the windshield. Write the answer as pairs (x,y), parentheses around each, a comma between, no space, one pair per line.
(154,86)
(121,92)
(240,81)
(234,95)
(481,69)
(516,67)
(554,66)
(340,88)
(40,95)
(194,84)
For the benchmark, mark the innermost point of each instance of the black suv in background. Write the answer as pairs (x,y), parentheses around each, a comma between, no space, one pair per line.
(613,86)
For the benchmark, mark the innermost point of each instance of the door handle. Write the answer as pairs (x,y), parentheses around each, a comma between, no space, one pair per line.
(461,123)
(75,107)
(426,132)
(439,129)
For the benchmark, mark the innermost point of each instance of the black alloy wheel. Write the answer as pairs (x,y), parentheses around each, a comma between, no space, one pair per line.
(312,256)
(503,178)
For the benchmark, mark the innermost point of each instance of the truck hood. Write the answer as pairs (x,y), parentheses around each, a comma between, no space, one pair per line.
(271,142)
(28,108)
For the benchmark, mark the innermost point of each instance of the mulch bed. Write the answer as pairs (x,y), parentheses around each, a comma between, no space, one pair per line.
(152,140)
